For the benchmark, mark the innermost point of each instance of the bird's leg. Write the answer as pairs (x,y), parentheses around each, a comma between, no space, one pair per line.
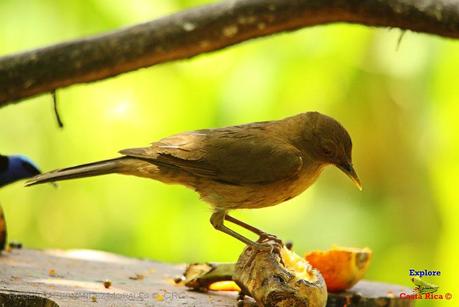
(244,225)
(217,220)
(263,235)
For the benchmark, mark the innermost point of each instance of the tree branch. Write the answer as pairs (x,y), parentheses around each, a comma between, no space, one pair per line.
(203,29)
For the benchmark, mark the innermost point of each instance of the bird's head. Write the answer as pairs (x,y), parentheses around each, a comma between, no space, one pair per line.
(14,168)
(327,141)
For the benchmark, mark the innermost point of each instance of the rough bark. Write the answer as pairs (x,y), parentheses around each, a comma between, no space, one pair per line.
(364,293)
(76,278)
(204,29)
(54,278)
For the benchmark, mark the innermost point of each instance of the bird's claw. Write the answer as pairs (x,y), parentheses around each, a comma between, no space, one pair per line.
(269,247)
(265,237)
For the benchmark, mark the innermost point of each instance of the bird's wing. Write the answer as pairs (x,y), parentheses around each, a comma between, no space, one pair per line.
(232,156)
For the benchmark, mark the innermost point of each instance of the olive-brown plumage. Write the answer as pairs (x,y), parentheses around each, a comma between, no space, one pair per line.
(247,166)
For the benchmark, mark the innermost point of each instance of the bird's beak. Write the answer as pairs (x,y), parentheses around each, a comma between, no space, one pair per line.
(349,170)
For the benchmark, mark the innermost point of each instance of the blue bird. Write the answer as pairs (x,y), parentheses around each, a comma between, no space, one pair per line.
(14,168)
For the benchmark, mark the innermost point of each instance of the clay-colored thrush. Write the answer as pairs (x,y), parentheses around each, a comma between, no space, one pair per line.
(247,166)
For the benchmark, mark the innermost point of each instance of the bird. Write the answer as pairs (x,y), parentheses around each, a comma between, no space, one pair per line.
(247,166)
(16,167)
(12,169)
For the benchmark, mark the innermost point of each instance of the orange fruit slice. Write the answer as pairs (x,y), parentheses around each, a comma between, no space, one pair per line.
(341,267)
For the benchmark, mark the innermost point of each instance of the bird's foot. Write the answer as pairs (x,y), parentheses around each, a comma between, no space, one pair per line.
(266,237)
(271,247)
(268,247)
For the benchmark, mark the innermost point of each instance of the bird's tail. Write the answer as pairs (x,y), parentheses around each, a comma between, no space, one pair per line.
(84,170)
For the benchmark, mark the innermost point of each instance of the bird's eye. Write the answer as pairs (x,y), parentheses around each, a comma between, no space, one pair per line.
(328,149)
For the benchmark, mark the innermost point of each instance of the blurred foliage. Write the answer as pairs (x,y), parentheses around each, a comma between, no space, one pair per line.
(400,106)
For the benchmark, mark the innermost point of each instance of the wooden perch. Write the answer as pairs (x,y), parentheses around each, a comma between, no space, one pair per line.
(76,278)
(201,276)
(204,29)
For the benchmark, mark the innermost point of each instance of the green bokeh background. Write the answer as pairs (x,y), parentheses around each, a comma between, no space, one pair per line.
(400,106)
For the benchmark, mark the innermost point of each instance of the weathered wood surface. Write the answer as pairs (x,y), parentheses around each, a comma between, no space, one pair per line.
(76,278)
(369,294)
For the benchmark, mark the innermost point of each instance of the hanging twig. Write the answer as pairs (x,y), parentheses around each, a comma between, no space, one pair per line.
(399,41)
(56,111)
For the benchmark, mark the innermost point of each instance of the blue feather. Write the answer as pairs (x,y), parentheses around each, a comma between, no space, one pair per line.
(16,167)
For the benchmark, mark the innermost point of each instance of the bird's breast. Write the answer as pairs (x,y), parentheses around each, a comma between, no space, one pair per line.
(227,196)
